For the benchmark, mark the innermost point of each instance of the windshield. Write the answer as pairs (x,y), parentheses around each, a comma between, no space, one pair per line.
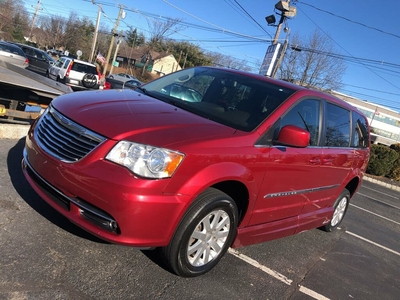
(83,68)
(225,96)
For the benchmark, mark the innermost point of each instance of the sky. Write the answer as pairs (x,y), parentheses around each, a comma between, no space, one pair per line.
(366,32)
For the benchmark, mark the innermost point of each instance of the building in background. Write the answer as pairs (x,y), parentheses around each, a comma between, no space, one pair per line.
(384,122)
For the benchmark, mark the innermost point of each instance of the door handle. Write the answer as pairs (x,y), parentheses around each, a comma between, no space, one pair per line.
(315,161)
(327,161)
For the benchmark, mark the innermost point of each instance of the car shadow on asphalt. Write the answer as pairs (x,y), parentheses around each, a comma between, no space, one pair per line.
(25,191)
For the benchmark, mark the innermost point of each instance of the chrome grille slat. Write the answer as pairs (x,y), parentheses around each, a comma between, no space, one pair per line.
(63,138)
(64,143)
(71,136)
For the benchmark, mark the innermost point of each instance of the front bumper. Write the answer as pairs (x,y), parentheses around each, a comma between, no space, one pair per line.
(101,199)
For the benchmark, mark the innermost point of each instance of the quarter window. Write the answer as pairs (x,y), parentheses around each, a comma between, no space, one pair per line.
(360,132)
(337,130)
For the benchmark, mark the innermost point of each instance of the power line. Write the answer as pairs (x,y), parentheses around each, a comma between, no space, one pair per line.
(384,79)
(349,20)
(245,11)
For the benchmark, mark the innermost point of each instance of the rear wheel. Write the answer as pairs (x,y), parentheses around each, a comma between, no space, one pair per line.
(204,234)
(340,209)
(61,80)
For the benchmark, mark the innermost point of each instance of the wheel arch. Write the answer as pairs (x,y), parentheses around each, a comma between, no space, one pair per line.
(233,179)
(238,192)
(353,185)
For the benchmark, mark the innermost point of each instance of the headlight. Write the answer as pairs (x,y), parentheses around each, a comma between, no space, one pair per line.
(144,160)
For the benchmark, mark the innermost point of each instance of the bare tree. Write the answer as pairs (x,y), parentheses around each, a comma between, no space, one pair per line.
(222,60)
(54,30)
(160,30)
(14,19)
(312,61)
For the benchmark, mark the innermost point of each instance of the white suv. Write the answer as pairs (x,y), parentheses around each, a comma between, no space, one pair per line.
(76,73)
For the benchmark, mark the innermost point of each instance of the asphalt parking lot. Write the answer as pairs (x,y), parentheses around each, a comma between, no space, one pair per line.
(44,256)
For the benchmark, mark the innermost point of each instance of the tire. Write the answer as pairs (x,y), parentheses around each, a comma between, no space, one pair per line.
(89,80)
(340,208)
(196,246)
(61,80)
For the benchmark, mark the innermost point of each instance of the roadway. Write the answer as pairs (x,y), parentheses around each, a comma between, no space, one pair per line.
(44,256)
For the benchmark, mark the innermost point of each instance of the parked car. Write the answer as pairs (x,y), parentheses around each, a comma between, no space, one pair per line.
(78,74)
(55,52)
(255,159)
(13,55)
(117,84)
(39,60)
(122,77)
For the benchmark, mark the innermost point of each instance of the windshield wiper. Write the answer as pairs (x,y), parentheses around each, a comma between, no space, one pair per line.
(142,89)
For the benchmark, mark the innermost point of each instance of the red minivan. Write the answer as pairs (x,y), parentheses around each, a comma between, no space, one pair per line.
(198,161)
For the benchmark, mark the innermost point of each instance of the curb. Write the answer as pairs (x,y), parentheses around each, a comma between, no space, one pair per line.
(382,183)
(13,131)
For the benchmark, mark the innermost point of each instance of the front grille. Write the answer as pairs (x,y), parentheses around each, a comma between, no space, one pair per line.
(64,139)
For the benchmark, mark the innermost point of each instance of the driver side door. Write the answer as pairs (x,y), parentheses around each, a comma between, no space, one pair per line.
(291,174)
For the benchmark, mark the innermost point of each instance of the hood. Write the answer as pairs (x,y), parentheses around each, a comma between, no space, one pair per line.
(129,115)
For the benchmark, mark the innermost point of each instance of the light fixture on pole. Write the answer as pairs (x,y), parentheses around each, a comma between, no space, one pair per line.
(270,20)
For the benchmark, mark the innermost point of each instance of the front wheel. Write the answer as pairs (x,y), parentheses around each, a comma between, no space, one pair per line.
(340,209)
(204,234)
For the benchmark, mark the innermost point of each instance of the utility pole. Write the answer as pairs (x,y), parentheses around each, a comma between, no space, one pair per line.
(275,53)
(278,30)
(121,14)
(179,60)
(116,51)
(95,32)
(34,19)
(184,62)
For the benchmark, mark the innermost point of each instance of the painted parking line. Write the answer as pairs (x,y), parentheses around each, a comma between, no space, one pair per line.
(373,243)
(380,201)
(380,192)
(254,263)
(276,275)
(311,293)
(375,214)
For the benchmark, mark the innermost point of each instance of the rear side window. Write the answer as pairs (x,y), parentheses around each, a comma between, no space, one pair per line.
(39,55)
(66,64)
(12,49)
(337,126)
(360,132)
(29,51)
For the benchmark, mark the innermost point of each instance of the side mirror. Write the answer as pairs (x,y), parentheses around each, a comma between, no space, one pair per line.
(293,136)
